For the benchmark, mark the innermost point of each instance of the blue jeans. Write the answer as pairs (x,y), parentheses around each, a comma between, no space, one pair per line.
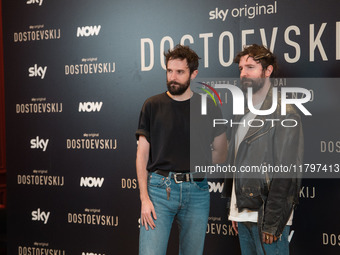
(189,204)
(250,241)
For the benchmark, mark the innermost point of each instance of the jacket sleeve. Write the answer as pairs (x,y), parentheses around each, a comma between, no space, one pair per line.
(284,186)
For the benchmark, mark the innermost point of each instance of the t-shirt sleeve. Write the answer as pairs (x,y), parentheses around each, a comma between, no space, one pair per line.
(144,122)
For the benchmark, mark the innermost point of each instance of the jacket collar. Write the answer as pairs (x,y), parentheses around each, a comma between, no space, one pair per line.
(267,104)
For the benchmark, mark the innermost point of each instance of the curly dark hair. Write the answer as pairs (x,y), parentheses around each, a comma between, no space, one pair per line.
(183,52)
(261,55)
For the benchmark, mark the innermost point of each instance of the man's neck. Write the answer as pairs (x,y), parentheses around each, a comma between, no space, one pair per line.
(185,96)
(260,95)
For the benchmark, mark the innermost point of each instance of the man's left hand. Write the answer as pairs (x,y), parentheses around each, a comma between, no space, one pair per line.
(268,238)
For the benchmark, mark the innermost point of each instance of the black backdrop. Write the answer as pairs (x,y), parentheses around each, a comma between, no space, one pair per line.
(76,76)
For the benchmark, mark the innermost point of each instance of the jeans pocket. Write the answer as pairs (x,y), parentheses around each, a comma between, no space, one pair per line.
(156,180)
(202,185)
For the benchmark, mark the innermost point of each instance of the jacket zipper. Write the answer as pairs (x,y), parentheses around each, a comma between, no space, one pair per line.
(258,135)
(235,157)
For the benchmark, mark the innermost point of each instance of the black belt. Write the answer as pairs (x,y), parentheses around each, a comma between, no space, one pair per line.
(178,177)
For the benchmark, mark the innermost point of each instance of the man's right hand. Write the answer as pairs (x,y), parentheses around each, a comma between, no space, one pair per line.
(148,214)
(235,226)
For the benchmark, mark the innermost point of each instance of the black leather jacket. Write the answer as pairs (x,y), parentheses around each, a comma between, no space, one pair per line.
(273,195)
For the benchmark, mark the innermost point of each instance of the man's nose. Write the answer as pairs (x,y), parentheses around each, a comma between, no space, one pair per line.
(173,76)
(243,73)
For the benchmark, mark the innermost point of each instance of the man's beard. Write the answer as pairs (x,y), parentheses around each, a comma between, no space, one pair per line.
(176,88)
(256,84)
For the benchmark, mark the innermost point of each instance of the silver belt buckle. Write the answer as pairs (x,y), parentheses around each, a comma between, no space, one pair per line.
(187,177)
(175,178)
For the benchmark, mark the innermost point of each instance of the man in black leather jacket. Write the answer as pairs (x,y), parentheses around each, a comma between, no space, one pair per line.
(262,203)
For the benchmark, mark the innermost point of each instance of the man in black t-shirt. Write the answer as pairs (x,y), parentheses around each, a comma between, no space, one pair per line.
(168,123)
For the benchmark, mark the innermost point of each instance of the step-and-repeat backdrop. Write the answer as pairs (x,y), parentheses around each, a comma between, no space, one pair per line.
(76,76)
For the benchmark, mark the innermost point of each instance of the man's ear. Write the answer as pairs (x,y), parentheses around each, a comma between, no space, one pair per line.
(269,71)
(194,74)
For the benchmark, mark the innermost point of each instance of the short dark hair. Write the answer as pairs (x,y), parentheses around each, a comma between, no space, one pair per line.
(261,55)
(183,52)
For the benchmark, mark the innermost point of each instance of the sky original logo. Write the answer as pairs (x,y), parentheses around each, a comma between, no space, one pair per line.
(245,11)
(35,71)
(37,33)
(88,31)
(93,219)
(38,143)
(91,142)
(218,14)
(39,248)
(39,215)
(35,2)
(90,106)
(39,105)
(91,182)
(89,66)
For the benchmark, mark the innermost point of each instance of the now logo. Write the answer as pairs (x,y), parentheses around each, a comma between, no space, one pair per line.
(88,31)
(91,182)
(90,106)
(215,187)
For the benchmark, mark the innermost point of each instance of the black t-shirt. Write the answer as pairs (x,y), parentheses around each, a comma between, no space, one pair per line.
(177,138)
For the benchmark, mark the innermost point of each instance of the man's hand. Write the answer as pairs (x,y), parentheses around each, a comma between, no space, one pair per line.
(148,214)
(268,238)
(235,226)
